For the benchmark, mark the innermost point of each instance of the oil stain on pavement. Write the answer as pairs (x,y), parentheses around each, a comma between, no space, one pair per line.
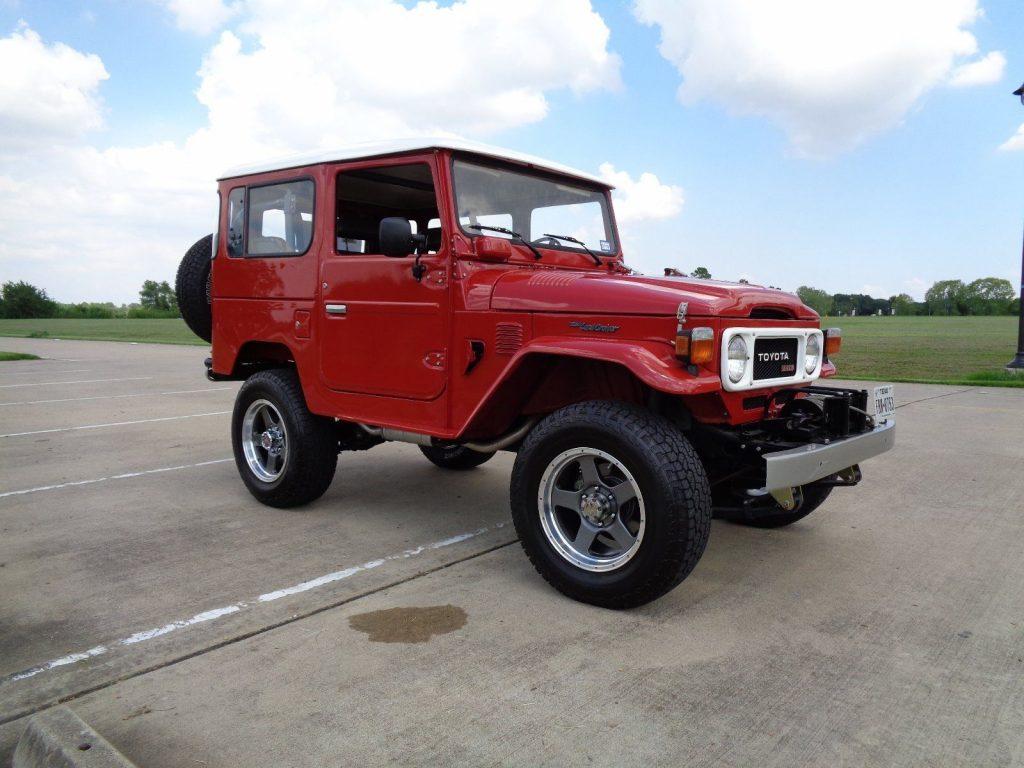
(408,625)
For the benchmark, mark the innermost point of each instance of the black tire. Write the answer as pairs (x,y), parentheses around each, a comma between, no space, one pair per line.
(455,457)
(813,498)
(671,480)
(312,442)
(192,286)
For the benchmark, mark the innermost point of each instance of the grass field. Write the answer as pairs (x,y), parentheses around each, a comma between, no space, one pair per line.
(5,356)
(949,350)
(172,331)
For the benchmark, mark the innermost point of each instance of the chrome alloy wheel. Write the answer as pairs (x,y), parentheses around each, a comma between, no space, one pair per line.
(591,509)
(264,440)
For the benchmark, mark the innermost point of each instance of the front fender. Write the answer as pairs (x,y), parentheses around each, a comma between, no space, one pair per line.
(653,362)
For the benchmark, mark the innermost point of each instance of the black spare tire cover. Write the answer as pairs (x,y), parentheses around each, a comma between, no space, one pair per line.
(192,288)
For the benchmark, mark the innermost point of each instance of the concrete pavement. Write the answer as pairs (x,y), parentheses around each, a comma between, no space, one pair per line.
(885,629)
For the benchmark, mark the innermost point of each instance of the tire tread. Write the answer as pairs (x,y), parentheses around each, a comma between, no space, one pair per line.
(682,475)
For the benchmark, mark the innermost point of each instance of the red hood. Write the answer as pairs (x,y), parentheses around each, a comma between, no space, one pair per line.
(602,293)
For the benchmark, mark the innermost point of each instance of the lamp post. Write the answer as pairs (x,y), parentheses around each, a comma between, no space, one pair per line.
(1017,364)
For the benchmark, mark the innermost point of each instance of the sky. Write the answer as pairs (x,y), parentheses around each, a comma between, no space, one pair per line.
(866,146)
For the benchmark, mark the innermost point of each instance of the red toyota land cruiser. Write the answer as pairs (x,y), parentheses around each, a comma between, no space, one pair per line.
(472,300)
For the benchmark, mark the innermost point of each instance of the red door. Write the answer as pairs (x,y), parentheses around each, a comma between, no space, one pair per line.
(383,331)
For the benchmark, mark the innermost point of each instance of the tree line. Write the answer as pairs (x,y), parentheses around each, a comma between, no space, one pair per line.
(985,296)
(24,300)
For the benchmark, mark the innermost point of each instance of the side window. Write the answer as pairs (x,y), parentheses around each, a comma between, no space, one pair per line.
(280,219)
(367,195)
(236,220)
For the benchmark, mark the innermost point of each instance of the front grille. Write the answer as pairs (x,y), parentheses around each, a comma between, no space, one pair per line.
(775,358)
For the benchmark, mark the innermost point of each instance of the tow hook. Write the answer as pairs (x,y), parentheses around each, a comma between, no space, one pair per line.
(788,498)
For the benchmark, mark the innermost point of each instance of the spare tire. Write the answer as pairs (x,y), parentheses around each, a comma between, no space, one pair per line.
(192,288)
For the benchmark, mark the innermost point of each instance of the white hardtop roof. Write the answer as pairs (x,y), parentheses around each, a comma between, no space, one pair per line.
(398,146)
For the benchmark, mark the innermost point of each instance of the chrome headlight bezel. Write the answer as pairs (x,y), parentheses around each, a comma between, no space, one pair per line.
(737,358)
(812,353)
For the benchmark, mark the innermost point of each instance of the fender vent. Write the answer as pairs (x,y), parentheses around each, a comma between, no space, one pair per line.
(508,338)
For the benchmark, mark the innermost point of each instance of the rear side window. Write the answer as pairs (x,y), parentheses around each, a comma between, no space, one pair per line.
(236,220)
(280,219)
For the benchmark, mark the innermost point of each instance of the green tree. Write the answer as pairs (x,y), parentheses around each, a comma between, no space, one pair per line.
(156,295)
(946,297)
(815,298)
(989,296)
(903,304)
(702,273)
(24,300)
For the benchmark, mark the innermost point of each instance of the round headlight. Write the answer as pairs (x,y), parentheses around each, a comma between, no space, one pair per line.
(737,359)
(812,354)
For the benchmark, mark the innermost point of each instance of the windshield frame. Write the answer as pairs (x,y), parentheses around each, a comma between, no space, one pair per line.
(489,162)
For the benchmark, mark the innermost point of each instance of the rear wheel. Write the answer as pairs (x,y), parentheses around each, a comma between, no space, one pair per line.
(611,503)
(285,454)
(455,457)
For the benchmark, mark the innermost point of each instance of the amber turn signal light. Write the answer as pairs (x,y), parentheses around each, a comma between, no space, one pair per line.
(833,341)
(696,346)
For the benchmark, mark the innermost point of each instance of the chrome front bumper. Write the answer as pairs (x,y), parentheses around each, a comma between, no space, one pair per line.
(803,465)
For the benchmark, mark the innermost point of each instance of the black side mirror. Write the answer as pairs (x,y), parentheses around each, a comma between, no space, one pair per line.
(396,238)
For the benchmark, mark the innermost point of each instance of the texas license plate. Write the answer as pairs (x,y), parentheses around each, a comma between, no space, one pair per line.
(885,403)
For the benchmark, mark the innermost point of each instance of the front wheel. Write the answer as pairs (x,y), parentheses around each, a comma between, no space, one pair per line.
(611,503)
(285,454)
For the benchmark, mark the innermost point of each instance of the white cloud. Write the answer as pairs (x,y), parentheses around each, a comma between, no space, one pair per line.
(916,286)
(48,93)
(984,71)
(1015,142)
(831,74)
(201,16)
(290,76)
(641,199)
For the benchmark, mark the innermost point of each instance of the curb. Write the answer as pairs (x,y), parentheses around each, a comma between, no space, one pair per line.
(58,738)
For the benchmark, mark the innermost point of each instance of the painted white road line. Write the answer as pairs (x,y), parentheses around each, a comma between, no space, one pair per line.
(114,424)
(46,371)
(227,610)
(125,476)
(79,381)
(117,397)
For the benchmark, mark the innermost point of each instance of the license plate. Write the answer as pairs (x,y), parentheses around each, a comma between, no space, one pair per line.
(885,402)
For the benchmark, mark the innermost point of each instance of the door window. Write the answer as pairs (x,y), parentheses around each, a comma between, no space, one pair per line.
(367,195)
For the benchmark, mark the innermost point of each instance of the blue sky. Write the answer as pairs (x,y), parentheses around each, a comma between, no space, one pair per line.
(927,194)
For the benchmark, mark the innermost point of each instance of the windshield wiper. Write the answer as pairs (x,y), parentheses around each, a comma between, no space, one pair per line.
(580,243)
(510,233)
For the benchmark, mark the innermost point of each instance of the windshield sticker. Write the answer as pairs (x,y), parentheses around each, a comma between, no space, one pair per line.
(606,246)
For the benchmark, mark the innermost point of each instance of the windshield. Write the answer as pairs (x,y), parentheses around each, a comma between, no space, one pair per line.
(536,207)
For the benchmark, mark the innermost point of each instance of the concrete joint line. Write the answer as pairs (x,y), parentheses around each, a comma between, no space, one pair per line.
(115,424)
(253,633)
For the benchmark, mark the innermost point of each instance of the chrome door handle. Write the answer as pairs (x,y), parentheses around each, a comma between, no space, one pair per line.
(337,309)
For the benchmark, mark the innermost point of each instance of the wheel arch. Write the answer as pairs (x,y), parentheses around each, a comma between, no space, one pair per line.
(548,374)
(253,356)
